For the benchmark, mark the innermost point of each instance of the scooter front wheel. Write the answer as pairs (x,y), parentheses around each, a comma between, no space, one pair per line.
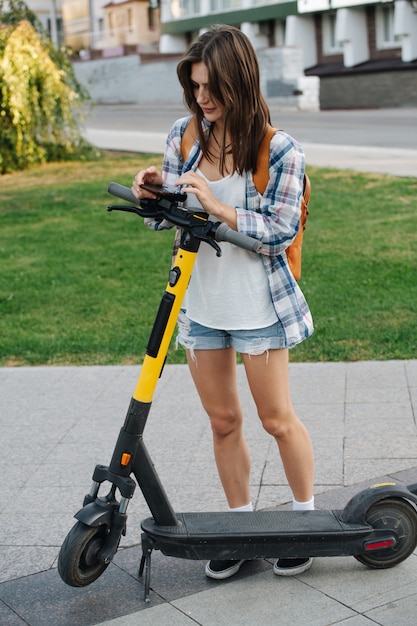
(78,563)
(401,517)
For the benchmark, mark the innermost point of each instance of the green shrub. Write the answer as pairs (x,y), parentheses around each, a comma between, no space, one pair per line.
(40,98)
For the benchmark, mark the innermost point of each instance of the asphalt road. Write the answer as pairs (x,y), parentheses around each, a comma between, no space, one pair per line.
(385,128)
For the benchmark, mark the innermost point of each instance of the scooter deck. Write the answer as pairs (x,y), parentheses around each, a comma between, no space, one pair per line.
(259,534)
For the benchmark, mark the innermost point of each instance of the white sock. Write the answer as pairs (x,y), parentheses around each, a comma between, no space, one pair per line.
(303,506)
(246,507)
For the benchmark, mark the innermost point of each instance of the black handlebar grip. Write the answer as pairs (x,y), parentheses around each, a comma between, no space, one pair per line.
(120,191)
(224,233)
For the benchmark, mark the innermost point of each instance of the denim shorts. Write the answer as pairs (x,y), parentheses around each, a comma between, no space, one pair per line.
(193,336)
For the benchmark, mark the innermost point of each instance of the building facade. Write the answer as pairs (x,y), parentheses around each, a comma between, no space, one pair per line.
(364,52)
(117,27)
(313,53)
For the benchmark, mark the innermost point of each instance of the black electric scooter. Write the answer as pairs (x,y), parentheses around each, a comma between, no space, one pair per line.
(378,526)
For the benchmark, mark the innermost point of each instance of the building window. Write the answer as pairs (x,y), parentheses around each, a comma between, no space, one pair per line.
(59,28)
(190,7)
(151,17)
(330,43)
(385,37)
(225,5)
(130,19)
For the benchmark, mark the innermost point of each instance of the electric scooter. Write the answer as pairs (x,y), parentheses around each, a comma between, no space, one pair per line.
(378,526)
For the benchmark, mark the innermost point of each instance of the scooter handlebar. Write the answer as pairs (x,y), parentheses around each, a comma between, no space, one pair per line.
(120,191)
(224,233)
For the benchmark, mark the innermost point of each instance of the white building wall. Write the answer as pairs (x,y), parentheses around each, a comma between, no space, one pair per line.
(405,27)
(124,80)
(352,32)
(254,34)
(301,32)
(283,82)
(172,44)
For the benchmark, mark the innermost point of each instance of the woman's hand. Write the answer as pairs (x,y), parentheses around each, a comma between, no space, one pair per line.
(193,183)
(151,176)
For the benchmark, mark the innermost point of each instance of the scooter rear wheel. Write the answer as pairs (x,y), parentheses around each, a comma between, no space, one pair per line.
(78,562)
(401,517)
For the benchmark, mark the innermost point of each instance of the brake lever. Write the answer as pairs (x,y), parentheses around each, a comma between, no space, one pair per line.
(147,208)
(123,207)
(206,233)
(213,244)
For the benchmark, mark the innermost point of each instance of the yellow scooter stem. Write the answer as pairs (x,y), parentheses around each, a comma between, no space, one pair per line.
(164,325)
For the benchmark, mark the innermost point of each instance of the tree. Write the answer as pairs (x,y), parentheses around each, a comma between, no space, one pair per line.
(41,100)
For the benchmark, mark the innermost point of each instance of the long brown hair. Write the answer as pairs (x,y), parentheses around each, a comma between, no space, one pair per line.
(233,80)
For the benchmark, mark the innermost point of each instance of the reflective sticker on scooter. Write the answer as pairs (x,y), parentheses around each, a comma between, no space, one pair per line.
(377,485)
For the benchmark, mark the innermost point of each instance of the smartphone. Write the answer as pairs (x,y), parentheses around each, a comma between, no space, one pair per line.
(165,191)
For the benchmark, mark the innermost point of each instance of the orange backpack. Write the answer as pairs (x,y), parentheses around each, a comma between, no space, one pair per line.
(260,179)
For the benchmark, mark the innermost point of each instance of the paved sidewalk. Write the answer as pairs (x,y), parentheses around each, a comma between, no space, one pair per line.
(382,141)
(395,161)
(57,423)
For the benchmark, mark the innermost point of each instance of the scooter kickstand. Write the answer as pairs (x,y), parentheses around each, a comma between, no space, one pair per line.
(145,564)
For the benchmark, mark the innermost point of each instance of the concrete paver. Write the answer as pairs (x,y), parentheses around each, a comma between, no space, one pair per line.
(395,161)
(62,421)
(381,141)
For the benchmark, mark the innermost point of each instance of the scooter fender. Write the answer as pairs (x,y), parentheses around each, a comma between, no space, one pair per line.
(357,507)
(97,513)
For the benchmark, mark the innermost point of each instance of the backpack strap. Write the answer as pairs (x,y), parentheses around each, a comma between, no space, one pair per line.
(189,135)
(261,176)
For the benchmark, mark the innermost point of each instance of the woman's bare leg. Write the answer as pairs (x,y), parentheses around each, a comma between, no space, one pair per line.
(214,375)
(268,379)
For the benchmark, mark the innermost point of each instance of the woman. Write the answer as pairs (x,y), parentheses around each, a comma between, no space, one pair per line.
(241,302)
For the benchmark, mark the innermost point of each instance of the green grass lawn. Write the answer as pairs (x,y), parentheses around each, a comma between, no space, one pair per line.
(80,285)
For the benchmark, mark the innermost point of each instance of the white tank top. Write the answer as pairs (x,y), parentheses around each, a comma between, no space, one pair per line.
(229,292)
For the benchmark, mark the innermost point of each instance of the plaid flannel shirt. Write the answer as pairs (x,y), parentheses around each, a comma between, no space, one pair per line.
(272,218)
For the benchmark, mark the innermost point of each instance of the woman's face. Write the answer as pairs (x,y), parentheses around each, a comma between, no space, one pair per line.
(212,109)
